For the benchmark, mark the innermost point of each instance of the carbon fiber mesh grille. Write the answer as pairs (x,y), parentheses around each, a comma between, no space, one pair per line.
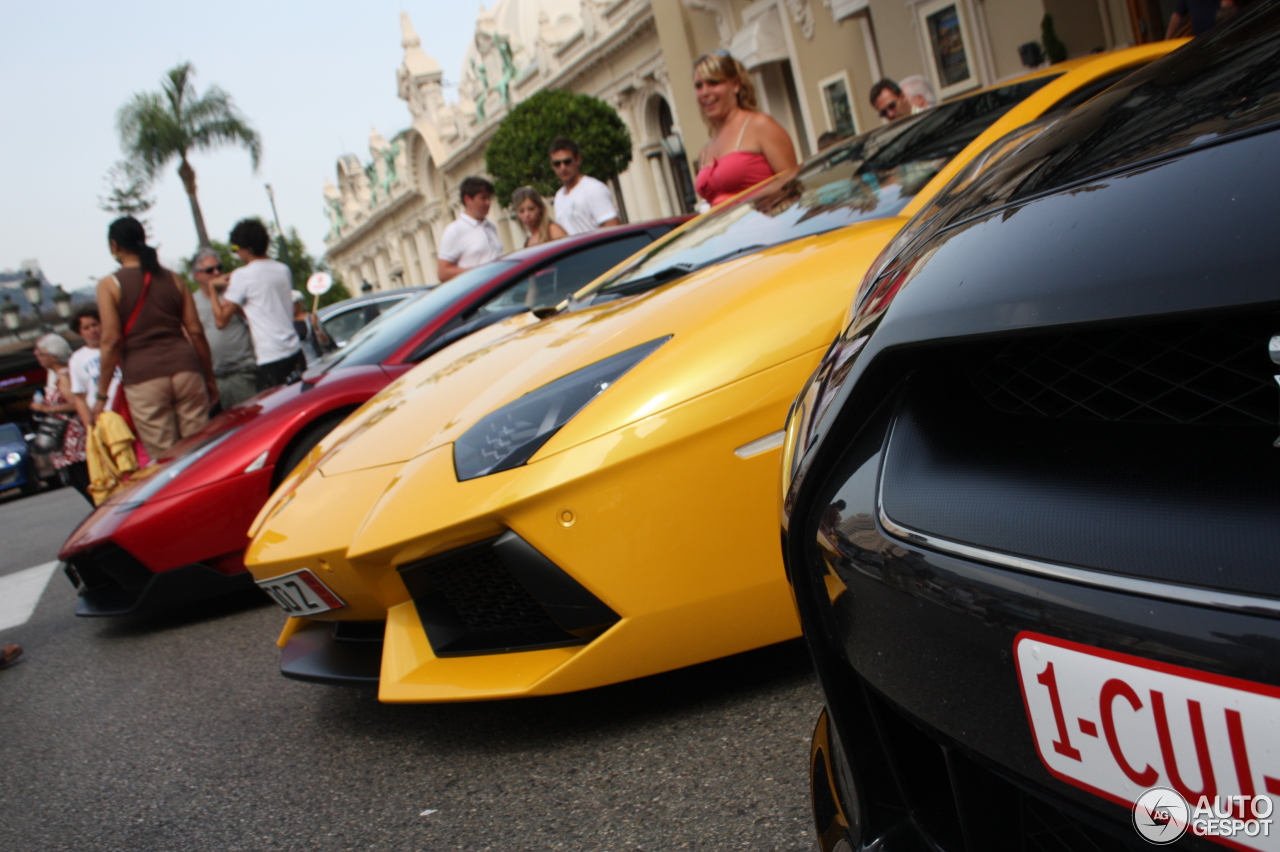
(484,594)
(953,799)
(1188,372)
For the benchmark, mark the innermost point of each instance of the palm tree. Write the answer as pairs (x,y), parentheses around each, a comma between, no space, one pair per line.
(155,127)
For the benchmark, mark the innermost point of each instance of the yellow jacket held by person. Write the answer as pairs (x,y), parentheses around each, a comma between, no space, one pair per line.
(109,450)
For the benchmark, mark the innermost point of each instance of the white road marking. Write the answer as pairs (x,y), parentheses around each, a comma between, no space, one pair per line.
(21,591)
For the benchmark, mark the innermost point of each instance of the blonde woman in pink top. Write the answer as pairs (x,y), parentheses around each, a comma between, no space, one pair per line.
(746,145)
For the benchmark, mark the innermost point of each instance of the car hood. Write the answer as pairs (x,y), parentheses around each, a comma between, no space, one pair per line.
(12,447)
(725,323)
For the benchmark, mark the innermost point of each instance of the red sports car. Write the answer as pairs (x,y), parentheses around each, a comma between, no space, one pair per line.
(178,534)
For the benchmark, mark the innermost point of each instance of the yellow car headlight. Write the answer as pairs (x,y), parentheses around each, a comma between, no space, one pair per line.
(508,437)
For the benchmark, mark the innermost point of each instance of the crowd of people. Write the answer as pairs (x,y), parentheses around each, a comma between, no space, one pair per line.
(161,358)
(746,146)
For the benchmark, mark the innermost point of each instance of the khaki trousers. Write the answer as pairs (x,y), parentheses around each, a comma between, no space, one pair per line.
(167,409)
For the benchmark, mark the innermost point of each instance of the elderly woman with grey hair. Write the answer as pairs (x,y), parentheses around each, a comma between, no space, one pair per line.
(53,352)
(919,92)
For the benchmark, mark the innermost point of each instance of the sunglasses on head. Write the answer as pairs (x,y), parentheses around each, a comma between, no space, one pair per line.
(558,163)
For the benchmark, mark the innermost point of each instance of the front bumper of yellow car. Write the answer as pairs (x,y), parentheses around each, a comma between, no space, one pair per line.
(646,549)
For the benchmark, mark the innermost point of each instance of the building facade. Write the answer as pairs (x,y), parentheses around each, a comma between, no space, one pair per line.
(813,62)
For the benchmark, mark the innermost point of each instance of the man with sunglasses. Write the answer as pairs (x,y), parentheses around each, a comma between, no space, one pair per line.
(232,346)
(583,204)
(889,102)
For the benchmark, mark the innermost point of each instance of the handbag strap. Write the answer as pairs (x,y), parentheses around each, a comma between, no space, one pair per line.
(137,308)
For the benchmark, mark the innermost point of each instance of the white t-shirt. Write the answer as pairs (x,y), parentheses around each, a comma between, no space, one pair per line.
(85,367)
(469,242)
(264,291)
(588,207)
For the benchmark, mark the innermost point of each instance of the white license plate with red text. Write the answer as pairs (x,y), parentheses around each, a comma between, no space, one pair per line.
(301,593)
(1117,725)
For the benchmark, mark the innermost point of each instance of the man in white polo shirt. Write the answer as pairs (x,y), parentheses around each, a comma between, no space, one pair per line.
(583,204)
(262,291)
(471,239)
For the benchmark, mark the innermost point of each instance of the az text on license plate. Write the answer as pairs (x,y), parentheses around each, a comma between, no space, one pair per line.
(1117,725)
(301,593)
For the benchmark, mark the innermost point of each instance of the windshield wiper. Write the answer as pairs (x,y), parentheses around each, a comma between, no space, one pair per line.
(662,276)
(648,282)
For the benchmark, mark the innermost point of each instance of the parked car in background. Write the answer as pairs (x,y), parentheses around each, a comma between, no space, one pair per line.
(17,461)
(342,320)
(178,534)
(591,499)
(1031,515)
(20,377)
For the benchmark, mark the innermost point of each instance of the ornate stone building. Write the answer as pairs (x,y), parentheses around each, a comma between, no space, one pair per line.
(813,62)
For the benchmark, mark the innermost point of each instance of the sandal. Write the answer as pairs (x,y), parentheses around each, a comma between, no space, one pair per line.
(9,655)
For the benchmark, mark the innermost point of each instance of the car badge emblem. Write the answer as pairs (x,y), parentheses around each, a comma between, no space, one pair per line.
(1273,349)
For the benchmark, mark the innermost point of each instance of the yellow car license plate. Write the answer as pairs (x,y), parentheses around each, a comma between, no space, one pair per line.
(301,593)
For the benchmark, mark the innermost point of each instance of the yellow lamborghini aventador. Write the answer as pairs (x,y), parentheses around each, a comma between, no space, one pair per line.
(590,498)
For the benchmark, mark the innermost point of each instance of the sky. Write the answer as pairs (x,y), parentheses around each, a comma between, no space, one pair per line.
(311,77)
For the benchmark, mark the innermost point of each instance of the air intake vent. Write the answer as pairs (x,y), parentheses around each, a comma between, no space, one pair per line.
(111,567)
(1187,372)
(501,595)
(483,592)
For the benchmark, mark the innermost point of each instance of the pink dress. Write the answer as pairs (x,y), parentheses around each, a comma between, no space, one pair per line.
(723,178)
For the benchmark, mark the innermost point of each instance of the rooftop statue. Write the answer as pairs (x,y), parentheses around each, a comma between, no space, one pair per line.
(390,173)
(482,74)
(337,219)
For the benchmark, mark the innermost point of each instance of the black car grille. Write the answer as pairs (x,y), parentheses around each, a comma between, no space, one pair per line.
(1148,450)
(484,593)
(1173,372)
(960,804)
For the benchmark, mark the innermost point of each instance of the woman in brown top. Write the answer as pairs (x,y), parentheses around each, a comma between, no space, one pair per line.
(168,371)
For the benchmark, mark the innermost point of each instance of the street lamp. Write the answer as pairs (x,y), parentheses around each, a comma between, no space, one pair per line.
(62,303)
(284,246)
(9,313)
(33,291)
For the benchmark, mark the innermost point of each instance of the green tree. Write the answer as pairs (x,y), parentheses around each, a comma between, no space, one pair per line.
(156,127)
(1053,46)
(127,192)
(517,155)
(303,265)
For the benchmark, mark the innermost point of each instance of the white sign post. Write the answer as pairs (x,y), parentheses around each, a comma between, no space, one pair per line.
(317,286)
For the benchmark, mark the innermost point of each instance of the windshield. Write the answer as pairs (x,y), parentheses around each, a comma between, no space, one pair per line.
(9,433)
(1224,84)
(870,176)
(374,343)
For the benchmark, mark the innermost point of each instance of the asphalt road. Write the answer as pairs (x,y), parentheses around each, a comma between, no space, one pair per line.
(180,734)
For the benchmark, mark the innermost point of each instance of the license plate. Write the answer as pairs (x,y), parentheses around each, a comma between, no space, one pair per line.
(301,593)
(1117,725)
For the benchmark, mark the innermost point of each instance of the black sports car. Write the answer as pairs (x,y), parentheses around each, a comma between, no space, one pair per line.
(1032,494)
